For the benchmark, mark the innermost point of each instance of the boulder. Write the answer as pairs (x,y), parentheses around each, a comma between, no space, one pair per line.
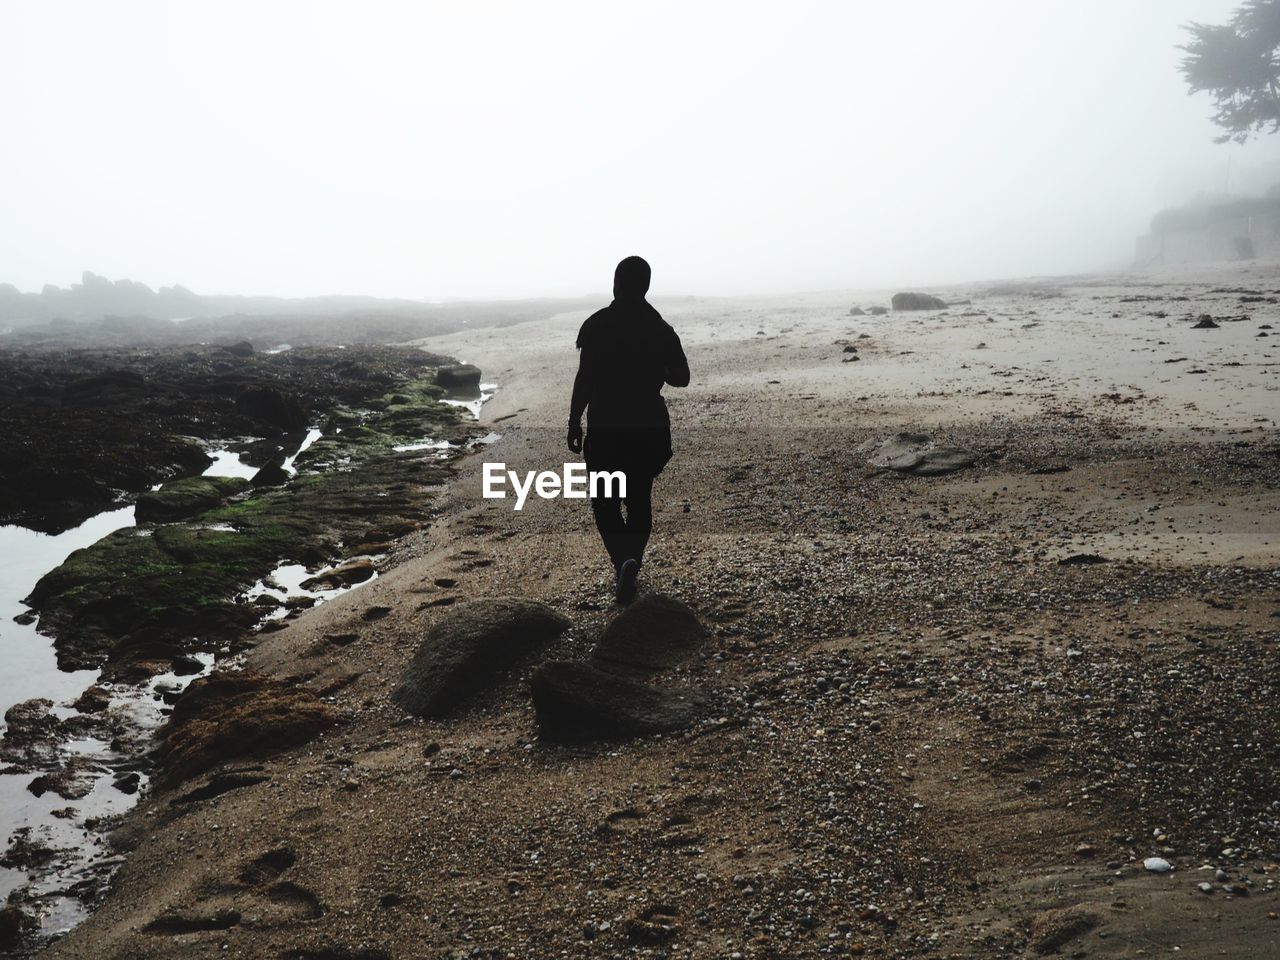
(233,714)
(1205,322)
(94,700)
(880,452)
(877,311)
(576,703)
(915,454)
(31,731)
(14,924)
(470,648)
(857,312)
(271,474)
(242,349)
(189,497)
(73,780)
(1082,560)
(653,634)
(459,377)
(917,301)
(186,665)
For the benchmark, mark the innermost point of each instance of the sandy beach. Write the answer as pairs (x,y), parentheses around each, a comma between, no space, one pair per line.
(948,716)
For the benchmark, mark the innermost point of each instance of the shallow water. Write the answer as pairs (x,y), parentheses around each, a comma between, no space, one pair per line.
(285,582)
(30,668)
(31,671)
(227,463)
(312,436)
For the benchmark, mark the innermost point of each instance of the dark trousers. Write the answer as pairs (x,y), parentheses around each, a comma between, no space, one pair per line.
(625,537)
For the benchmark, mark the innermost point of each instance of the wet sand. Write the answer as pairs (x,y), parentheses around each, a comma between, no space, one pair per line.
(928,735)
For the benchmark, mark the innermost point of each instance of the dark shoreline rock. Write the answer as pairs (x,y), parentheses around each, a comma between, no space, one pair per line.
(578,703)
(654,633)
(459,377)
(79,426)
(917,301)
(14,925)
(181,499)
(140,596)
(470,648)
(234,714)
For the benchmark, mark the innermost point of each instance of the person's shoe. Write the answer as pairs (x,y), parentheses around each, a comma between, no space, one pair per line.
(627,575)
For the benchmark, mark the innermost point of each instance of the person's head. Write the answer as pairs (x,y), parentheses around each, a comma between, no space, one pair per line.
(631,279)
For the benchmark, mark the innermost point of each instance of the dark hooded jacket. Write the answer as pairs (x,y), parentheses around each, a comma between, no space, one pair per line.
(628,353)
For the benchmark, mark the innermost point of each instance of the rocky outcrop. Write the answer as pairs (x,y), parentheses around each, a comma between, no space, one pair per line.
(180,499)
(470,649)
(577,702)
(32,732)
(237,714)
(917,301)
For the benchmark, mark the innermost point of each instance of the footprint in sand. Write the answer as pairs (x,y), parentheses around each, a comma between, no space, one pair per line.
(258,899)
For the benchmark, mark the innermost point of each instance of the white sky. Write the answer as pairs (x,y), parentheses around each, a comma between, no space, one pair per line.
(502,149)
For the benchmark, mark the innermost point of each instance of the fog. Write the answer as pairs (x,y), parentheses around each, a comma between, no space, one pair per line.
(481,150)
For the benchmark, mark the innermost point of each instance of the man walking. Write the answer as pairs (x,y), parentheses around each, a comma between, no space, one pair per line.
(627,353)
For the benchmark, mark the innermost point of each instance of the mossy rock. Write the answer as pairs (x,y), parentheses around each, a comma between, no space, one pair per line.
(160,590)
(180,499)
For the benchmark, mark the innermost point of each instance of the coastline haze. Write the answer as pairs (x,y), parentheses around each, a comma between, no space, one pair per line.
(433,151)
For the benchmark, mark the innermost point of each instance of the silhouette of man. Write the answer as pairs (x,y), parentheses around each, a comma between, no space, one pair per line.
(627,353)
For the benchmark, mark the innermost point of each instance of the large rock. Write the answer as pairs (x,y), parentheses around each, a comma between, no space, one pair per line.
(32,732)
(236,714)
(14,924)
(271,474)
(576,702)
(180,499)
(917,301)
(460,377)
(915,454)
(470,648)
(653,634)
(879,453)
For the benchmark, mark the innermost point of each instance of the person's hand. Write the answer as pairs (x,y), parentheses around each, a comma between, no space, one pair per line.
(575,437)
